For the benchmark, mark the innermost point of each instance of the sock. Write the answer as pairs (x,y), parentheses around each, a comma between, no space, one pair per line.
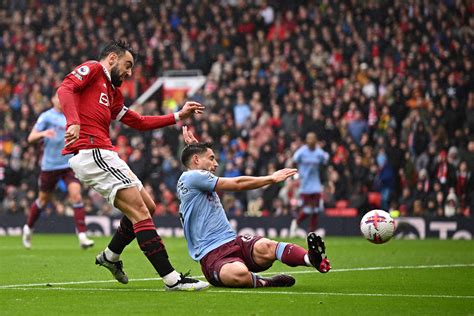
(152,246)
(123,236)
(80,217)
(81,236)
(256,282)
(171,278)
(291,254)
(111,256)
(313,222)
(301,217)
(34,213)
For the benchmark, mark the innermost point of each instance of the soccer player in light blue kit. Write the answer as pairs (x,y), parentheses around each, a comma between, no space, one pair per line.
(227,259)
(309,159)
(51,126)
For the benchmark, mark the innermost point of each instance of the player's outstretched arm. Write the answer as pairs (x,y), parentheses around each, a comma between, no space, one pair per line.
(143,123)
(250,183)
(35,135)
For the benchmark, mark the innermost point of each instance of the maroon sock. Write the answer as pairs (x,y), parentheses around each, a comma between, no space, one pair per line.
(33,214)
(123,236)
(301,217)
(80,217)
(313,222)
(152,246)
(291,254)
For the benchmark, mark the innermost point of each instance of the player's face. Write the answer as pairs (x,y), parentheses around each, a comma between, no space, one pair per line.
(207,161)
(311,139)
(56,104)
(122,69)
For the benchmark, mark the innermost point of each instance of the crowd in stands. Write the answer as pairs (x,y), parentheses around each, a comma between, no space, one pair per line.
(386,85)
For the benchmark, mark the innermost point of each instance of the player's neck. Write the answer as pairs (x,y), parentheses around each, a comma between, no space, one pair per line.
(105,64)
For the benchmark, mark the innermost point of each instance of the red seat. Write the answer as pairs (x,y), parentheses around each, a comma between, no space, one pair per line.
(342,204)
(341,212)
(375,199)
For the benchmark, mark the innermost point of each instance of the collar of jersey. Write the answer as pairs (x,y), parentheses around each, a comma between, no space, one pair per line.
(106,72)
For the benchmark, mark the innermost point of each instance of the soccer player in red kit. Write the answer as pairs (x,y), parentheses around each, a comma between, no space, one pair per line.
(90,99)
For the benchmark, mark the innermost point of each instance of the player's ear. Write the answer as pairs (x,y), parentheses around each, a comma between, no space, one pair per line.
(113,58)
(195,159)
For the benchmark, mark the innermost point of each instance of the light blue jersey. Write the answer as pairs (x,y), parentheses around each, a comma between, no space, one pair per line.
(52,158)
(309,162)
(205,223)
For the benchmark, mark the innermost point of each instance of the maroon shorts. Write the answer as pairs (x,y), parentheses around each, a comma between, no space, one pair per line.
(240,249)
(310,199)
(48,179)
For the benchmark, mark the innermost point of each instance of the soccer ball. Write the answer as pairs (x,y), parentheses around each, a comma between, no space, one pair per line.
(377,226)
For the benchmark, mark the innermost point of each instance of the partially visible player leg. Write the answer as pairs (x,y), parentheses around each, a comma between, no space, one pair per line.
(74,190)
(33,215)
(313,223)
(317,253)
(131,203)
(124,234)
(236,274)
(317,207)
(294,255)
(264,254)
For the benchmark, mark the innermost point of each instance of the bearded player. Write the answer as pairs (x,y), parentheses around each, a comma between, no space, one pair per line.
(91,99)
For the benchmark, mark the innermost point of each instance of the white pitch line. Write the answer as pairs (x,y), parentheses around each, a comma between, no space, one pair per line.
(252,292)
(437,266)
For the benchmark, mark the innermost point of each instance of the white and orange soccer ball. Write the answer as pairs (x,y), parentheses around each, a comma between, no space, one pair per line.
(377,226)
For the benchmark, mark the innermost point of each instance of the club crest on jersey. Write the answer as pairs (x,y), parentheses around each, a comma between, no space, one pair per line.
(84,70)
(104,99)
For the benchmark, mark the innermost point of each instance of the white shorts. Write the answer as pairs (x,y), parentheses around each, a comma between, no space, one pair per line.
(104,171)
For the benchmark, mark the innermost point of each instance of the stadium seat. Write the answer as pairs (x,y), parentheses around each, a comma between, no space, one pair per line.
(341,212)
(375,199)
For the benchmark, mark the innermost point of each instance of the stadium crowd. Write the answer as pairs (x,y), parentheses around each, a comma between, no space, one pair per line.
(386,85)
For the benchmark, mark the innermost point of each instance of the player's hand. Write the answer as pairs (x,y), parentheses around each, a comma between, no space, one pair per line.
(49,133)
(72,134)
(188,136)
(283,174)
(189,109)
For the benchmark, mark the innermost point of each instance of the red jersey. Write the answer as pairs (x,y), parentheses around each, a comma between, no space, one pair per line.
(89,99)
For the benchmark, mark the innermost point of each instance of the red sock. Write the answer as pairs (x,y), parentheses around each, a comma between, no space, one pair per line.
(80,217)
(301,217)
(152,246)
(33,214)
(313,222)
(291,254)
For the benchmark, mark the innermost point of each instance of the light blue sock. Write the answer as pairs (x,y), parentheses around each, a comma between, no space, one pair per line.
(279,249)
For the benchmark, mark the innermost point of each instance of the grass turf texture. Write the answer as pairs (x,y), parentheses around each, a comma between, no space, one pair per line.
(428,284)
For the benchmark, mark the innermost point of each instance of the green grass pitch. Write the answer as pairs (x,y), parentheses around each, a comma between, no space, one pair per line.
(402,277)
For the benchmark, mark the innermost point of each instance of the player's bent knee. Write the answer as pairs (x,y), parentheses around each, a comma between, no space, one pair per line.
(264,249)
(235,274)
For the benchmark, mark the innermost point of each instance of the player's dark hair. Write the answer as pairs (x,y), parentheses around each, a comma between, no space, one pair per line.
(119,47)
(193,149)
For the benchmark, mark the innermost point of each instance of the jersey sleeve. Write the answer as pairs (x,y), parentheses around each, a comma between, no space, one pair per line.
(201,180)
(83,75)
(118,109)
(42,123)
(323,156)
(297,156)
(74,82)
